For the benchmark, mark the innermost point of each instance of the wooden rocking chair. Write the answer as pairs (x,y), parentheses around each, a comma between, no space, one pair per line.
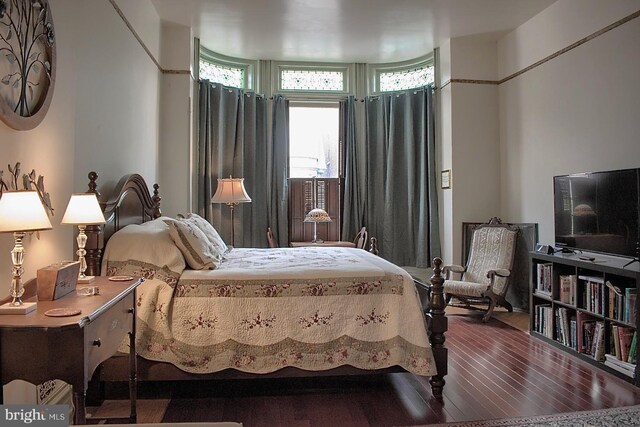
(485,279)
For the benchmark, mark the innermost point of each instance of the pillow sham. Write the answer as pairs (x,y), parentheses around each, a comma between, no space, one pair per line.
(194,245)
(149,243)
(219,246)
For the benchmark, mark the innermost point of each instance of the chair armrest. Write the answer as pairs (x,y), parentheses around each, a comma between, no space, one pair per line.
(452,268)
(501,272)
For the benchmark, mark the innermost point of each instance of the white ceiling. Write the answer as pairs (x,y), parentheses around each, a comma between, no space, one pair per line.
(342,30)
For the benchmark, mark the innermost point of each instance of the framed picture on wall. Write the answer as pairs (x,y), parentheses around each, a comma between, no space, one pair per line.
(445,178)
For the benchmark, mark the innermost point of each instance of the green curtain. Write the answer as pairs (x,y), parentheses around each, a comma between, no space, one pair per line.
(278,165)
(353,206)
(233,141)
(401,207)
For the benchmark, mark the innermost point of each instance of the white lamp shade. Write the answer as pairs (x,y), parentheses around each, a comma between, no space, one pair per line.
(22,211)
(83,209)
(317,215)
(230,190)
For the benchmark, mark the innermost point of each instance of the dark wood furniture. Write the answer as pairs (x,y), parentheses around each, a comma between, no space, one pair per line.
(37,348)
(605,267)
(273,242)
(329,243)
(309,193)
(131,203)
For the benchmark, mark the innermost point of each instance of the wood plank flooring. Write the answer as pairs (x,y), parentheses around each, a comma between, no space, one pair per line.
(495,371)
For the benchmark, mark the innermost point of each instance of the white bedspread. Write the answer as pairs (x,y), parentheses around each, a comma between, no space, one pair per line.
(265,309)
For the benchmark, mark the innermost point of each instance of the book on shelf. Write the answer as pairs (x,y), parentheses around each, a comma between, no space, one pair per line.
(630,309)
(563,328)
(585,336)
(628,369)
(544,278)
(625,337)
(568,288)
(597,343)
(615,341)
(544,320)
(614,295)
(593,298)
(632,349)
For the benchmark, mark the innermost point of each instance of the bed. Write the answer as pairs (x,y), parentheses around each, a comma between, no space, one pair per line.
(262,312)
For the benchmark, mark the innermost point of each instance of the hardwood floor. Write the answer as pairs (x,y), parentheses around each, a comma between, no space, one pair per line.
(495,371)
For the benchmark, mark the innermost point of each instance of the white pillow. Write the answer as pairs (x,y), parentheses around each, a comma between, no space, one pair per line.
(149,243)
(194,245)
(219,247)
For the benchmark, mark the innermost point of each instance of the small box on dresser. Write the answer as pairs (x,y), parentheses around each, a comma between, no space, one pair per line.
(57,280)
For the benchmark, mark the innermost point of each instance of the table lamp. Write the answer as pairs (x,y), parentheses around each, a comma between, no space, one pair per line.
(20,212)
(83,209)
(315,216)
(231,192)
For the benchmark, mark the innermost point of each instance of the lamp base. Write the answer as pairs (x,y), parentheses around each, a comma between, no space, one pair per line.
(317,241)
(86,279)
(24,308)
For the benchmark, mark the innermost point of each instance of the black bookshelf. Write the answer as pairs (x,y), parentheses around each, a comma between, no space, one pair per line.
(569,294)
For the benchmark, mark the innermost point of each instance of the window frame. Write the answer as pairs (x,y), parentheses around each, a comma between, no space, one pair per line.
(250,67)
(322,103)
(347,71)
(375,70)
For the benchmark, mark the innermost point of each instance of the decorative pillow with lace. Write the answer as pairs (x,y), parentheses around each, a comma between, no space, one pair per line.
(219,246)
(194,245)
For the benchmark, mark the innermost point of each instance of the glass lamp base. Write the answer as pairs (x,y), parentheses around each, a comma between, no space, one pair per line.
(24,308)
(86,279)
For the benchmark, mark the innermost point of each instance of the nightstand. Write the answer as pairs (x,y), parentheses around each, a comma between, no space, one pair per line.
(37,348)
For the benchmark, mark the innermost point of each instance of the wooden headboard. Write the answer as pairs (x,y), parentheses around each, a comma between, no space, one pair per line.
(129,203)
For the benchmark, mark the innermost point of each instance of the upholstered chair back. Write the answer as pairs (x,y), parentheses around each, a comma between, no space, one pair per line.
(492,248)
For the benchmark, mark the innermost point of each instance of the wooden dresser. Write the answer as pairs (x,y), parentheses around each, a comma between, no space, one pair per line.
(36,348)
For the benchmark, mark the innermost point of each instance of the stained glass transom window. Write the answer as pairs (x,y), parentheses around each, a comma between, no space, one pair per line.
(406,79)
(312,80)
(228,76)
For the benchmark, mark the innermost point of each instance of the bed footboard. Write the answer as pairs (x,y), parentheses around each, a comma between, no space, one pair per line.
(438,326)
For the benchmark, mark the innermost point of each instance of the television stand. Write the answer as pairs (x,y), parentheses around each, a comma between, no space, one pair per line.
(570,297)
(637,257)
(564,250)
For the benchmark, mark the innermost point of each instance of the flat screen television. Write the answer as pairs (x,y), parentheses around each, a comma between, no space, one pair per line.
(598,211)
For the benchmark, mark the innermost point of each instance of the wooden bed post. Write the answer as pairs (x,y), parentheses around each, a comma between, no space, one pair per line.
(156,202)
(94,242)
(438,323)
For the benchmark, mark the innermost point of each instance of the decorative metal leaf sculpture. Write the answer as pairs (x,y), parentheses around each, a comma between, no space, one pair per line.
(29,182)
(31,22)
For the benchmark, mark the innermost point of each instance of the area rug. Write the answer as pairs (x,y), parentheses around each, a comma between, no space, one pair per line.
(614,417)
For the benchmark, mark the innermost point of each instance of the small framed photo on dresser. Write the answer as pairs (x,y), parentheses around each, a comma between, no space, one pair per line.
(445,178)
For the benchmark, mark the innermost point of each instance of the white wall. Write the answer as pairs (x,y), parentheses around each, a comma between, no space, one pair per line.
(103,117)
(117,96)
(174,175)
(469,143)
(443,150)
(577,112)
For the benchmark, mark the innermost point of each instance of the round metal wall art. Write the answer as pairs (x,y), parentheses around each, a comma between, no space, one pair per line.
(27,62)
